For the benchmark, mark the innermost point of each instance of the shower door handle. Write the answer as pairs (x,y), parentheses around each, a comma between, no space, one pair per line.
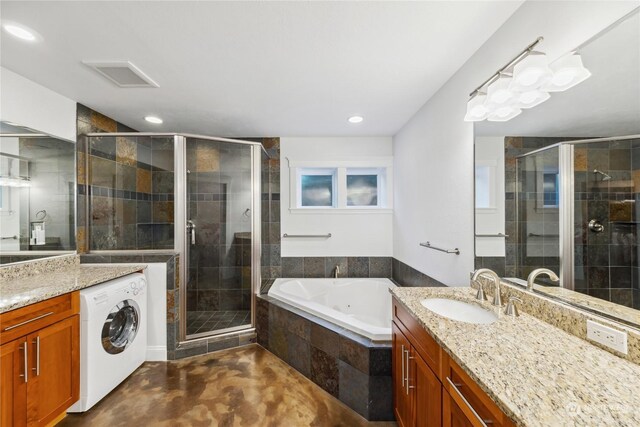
(191,229)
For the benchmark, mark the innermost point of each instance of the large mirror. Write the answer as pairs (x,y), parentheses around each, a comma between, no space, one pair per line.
(559,185)
(37,194)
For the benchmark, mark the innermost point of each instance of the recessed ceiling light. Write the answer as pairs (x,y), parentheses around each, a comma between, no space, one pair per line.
(153,119)
(21,32)
(355,119)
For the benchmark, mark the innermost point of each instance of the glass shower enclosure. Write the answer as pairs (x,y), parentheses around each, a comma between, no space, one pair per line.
(194,195)
(578,215)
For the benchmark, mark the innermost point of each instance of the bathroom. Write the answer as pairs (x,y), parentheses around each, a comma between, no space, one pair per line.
(320,213)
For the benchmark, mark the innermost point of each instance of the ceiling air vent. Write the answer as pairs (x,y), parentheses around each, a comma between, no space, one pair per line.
(122,73)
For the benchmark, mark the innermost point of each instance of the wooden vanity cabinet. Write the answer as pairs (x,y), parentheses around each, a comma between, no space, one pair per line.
(41,340)
(429,388)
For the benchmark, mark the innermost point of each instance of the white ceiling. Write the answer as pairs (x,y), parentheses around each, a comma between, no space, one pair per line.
(606,104)
(254,68)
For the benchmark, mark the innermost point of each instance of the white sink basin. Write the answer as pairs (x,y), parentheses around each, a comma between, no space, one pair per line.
(460,311)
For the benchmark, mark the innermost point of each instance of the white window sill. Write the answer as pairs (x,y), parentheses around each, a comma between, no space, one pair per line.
(341,211)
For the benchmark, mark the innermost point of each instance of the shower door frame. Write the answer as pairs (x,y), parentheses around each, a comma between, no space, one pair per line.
(182,243)
(180,221)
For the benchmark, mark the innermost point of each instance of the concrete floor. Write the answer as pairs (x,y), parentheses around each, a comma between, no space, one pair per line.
(246,386)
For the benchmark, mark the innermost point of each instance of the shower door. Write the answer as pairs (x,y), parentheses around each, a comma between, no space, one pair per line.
(219,249)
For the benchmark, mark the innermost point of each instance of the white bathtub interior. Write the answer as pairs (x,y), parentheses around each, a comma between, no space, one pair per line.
(359,305)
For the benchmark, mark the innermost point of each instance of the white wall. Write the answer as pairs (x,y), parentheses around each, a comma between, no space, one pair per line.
(433,152)
(490,152)
(156,274)
(28,104)
(353,233)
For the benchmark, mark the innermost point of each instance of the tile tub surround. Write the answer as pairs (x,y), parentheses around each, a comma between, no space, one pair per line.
(22,291)
(374,267)
(567,318)
(350,367)
(537,374)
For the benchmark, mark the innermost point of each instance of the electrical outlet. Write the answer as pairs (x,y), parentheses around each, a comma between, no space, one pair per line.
(607,336)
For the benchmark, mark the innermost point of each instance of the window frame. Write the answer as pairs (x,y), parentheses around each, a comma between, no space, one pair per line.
(300,172)
(380,166)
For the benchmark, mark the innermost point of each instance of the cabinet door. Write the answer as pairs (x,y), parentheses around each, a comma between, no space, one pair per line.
(54,371)
(452,415)
(13,384)
(401,393)
(428,393)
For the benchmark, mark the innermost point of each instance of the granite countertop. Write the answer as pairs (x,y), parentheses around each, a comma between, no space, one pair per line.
(21,291)
(537,374)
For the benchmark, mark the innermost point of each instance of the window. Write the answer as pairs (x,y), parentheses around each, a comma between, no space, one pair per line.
(341,186)
(486,185)
(551,193)
(316,187)
(365,187)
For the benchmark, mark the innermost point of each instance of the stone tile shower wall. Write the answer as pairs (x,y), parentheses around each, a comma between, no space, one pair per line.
(607,263)
(271,264)
(128,186)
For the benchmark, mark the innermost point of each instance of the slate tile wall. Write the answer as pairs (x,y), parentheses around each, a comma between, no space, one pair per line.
(350,367)
(128,186)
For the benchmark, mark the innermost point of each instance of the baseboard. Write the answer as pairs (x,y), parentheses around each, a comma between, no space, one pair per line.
(156,353)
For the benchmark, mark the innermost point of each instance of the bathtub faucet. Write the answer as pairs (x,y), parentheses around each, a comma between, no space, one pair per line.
(336,271)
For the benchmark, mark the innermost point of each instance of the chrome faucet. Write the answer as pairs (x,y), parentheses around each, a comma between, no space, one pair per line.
(336,271)
(497,300)
(538,272)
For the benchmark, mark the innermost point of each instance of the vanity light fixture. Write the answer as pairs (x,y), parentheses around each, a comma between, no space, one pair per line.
(21,32)
(523,83)
(153,119)
(356,119)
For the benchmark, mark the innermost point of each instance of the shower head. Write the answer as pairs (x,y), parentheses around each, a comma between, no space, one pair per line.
(605,176)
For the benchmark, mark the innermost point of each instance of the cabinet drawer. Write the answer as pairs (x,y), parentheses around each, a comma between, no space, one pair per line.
(22,321)
(469,398)
(424,344)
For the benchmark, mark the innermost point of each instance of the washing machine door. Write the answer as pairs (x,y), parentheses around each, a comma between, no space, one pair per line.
(120,326)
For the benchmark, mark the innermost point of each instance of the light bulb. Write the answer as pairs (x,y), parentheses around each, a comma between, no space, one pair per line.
(568,71)
(477,109)
(531,73)
(531,98)
(498,92)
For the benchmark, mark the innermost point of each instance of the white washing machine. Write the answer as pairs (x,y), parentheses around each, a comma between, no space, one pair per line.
(113,336)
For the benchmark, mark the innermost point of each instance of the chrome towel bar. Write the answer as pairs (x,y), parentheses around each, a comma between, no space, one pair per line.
(323,236)
(447,251)
(492,235)
(9,238)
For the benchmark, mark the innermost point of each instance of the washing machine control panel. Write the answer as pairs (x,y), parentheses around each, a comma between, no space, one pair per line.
(137,286)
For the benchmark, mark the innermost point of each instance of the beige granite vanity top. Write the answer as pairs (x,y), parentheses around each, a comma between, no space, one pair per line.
(537,374)
(21,291)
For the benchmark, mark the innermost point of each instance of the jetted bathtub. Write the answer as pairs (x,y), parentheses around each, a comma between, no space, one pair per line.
(359,305)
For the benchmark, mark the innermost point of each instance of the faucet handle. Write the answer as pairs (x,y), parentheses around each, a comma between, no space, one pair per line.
(480,294)
(512,308)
